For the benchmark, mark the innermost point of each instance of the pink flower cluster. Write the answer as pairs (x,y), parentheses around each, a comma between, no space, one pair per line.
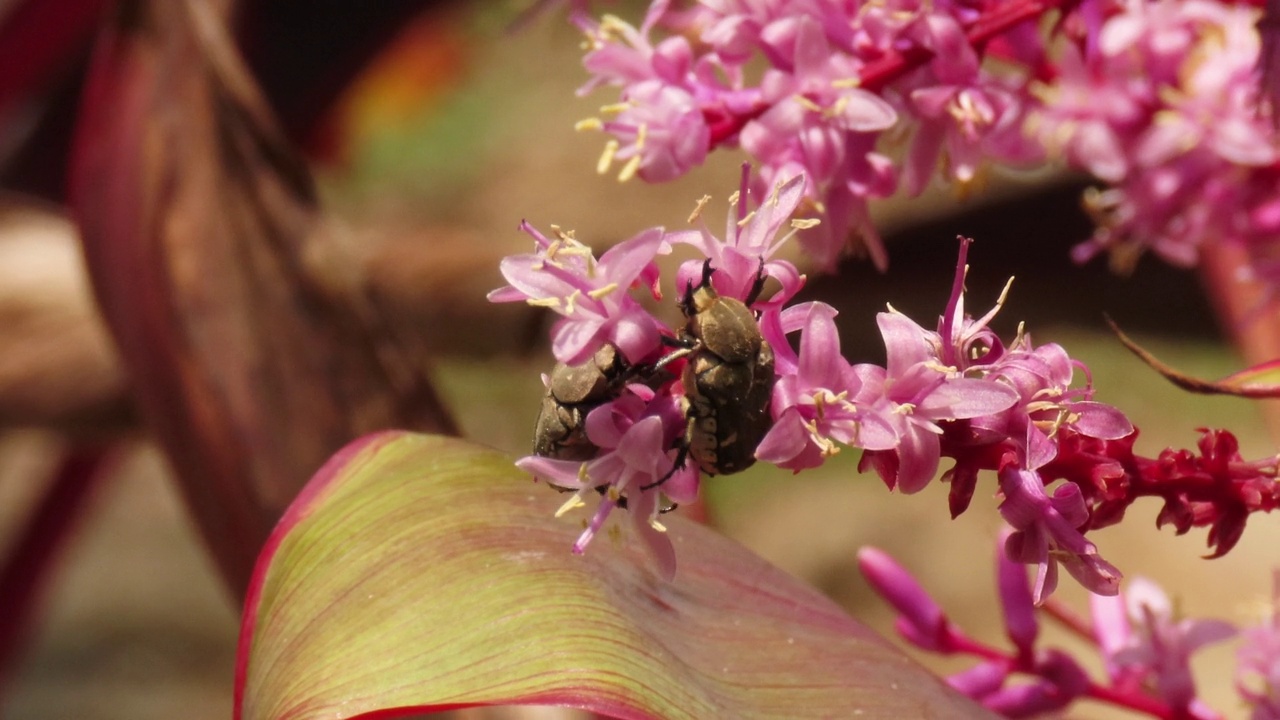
(1157,98)
(1064,462)
(955,392)
(823,101)
(1145,649)
(1164,108)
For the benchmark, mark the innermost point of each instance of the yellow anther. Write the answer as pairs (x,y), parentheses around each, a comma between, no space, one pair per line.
(591,123)
(570,301)
(569,505)
(697,210)
(775,194)
(551,302)
(805,223)
(734,198)
(808,104)
(630,169)
(606,158)
(653,523)
(615,108)
(905,409)
(743,222)
(602,292)
(847,83)
(826,447)
(937,366)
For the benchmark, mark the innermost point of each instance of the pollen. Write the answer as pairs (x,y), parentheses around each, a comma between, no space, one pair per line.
(548,302)
(743,222)
(805,223)
(653,523)
(591,123)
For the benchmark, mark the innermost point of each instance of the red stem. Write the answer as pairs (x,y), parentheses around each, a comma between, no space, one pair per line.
(1003,17)
(1139,703)
(1068,618)
(31,559)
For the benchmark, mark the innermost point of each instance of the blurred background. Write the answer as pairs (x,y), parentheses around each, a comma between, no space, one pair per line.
(455,129)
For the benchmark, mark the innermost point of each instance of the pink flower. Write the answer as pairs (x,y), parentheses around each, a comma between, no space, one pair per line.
(1258,662)
(1045,533)
(919,392)
(592,296)
(1159,646)
(634,434)
(1166,111)
(750,241)
(816,401)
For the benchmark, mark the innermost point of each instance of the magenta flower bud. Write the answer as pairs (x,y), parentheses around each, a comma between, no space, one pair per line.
(1015,597)
(922,620)
(980,680)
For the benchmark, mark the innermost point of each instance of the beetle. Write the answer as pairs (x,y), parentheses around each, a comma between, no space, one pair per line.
(573,391)
(728,380)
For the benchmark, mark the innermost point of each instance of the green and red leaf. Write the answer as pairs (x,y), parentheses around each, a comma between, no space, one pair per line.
(418,573)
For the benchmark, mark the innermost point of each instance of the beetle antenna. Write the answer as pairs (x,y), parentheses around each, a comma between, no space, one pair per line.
(707,271)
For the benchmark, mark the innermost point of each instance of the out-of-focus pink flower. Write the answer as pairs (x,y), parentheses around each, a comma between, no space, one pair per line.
(1166,109)
(1258,662)
(1159,646)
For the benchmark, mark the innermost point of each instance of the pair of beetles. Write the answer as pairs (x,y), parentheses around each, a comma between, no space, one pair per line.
(728,381)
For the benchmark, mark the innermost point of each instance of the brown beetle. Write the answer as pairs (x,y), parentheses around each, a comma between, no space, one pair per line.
(572,392)
(728,380)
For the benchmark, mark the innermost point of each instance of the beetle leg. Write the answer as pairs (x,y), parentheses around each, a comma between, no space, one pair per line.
(757,286)
(684,351)
(684,341)
(681,458)
(622,504)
